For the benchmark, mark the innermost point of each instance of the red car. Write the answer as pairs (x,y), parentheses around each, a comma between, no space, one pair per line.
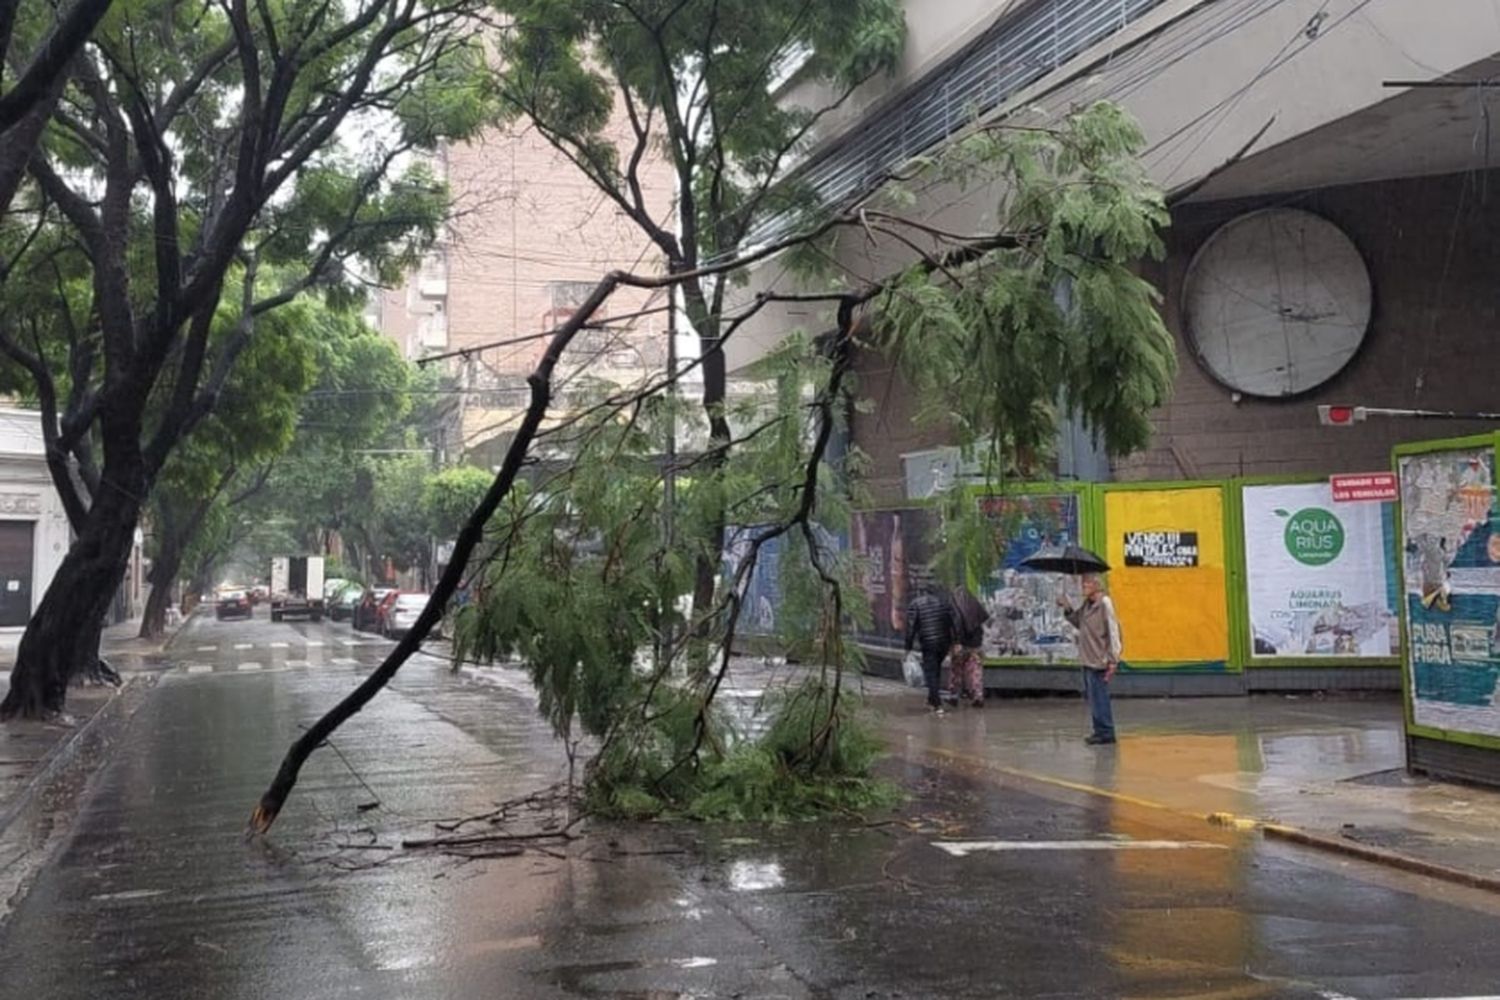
(383,610)
(367,611)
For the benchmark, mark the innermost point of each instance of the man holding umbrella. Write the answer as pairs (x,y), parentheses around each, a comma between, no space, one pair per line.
(1099,649)
(1099,643)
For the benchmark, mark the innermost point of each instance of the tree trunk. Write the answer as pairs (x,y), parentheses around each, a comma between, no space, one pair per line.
(163,574)
(61,641)
(715,398)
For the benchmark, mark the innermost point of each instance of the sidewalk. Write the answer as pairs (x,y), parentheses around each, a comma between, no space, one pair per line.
(1325,771)
(32,752)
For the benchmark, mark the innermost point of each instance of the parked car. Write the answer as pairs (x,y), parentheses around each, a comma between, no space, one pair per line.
(346,602)
(233,604)
(402,614)
(383,610)
(366,612)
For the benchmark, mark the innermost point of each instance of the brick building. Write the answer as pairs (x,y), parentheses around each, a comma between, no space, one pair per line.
(529,237)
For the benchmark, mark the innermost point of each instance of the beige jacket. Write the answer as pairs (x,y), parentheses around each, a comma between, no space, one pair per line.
(1099,642)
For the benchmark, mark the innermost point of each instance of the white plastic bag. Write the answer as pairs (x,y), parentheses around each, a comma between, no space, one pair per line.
(911,669)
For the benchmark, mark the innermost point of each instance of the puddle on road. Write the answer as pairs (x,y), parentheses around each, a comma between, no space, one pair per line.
(755,876)
(575,978)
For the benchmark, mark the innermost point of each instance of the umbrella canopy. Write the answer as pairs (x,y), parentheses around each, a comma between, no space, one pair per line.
(1074,560)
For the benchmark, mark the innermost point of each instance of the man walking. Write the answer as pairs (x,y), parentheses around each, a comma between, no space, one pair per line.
(929,622)
(1099,650)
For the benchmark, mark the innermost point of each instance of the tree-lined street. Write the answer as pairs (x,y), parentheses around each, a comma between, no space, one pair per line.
(1040,891)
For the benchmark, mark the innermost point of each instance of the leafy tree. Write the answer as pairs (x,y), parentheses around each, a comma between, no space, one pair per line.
(451,495)
(581,576)
(40,40)
(192,149)
(266,409)
(692,76)
(399,523)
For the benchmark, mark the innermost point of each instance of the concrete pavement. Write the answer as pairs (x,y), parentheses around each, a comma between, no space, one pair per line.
(987,883)
(1332,767)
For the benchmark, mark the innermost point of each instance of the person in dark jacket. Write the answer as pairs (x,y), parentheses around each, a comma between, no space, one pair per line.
(969,617)
(929,624)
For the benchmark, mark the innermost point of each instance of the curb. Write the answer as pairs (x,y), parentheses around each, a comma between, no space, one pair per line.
(1267,829)
(1379,856)
(62,754)
(1354,849)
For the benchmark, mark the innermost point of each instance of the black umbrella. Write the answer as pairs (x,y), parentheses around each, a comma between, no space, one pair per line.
(1075,560)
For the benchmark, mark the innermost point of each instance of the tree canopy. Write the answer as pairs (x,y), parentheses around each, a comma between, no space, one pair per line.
(199,159)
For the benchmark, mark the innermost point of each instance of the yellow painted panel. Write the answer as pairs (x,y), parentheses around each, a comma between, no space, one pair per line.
(1177,614)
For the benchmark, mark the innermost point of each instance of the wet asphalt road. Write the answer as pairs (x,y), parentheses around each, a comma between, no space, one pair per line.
(1038,892)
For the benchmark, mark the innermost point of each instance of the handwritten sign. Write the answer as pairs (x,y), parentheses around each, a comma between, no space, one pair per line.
(1161,549)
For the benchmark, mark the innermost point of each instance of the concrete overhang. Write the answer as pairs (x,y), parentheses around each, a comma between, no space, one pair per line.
(1306,79)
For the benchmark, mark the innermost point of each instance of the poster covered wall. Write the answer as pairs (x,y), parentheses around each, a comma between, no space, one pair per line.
(1451,553)
(1025,620)
(893,550)
(1170,578)
(1319,574)
(762,596)
(764,590)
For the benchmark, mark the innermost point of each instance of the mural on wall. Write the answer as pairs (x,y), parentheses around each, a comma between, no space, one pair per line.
(1170,576)
(1319,573)
(761,613)
(1451,551)
(1025,621)
(893,550)
(762,597)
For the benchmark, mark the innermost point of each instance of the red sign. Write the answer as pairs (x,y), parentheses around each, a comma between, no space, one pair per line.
(1363,486)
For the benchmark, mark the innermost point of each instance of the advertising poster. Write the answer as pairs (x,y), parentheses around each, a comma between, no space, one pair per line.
(1451,553)
(762,596)
(761,614)
(893,550)
(1025,621)
(1319,574)
(1169,580)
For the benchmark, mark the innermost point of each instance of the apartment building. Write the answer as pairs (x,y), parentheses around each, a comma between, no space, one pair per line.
(529,238)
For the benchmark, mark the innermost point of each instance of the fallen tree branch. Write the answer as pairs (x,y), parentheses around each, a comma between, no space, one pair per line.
(419,843)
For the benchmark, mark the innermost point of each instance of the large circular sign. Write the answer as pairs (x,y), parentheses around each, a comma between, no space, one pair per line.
(1276,302)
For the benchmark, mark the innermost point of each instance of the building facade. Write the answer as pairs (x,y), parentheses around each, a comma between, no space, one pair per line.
(1372,117)
(528,239)
(34,534)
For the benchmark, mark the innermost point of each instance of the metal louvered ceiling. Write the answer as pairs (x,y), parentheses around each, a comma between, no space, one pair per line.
(1013,54)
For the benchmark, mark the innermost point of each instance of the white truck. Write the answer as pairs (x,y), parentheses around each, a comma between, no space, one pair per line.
(297,587)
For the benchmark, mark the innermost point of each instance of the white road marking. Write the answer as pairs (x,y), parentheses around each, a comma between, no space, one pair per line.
(345,661)
(244,645)
(199,668)
(316,644)
(248,665)
(963,848)
(207,649)
(278,645)
(351,642)
(112,897)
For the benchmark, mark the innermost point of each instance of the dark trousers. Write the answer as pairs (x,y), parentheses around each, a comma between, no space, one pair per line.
(932,673)
(1097,692)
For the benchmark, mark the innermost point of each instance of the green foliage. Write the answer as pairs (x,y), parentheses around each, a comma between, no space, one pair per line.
(352,392)
(699,70)
(773,777)
(451,496)
(1053,318)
